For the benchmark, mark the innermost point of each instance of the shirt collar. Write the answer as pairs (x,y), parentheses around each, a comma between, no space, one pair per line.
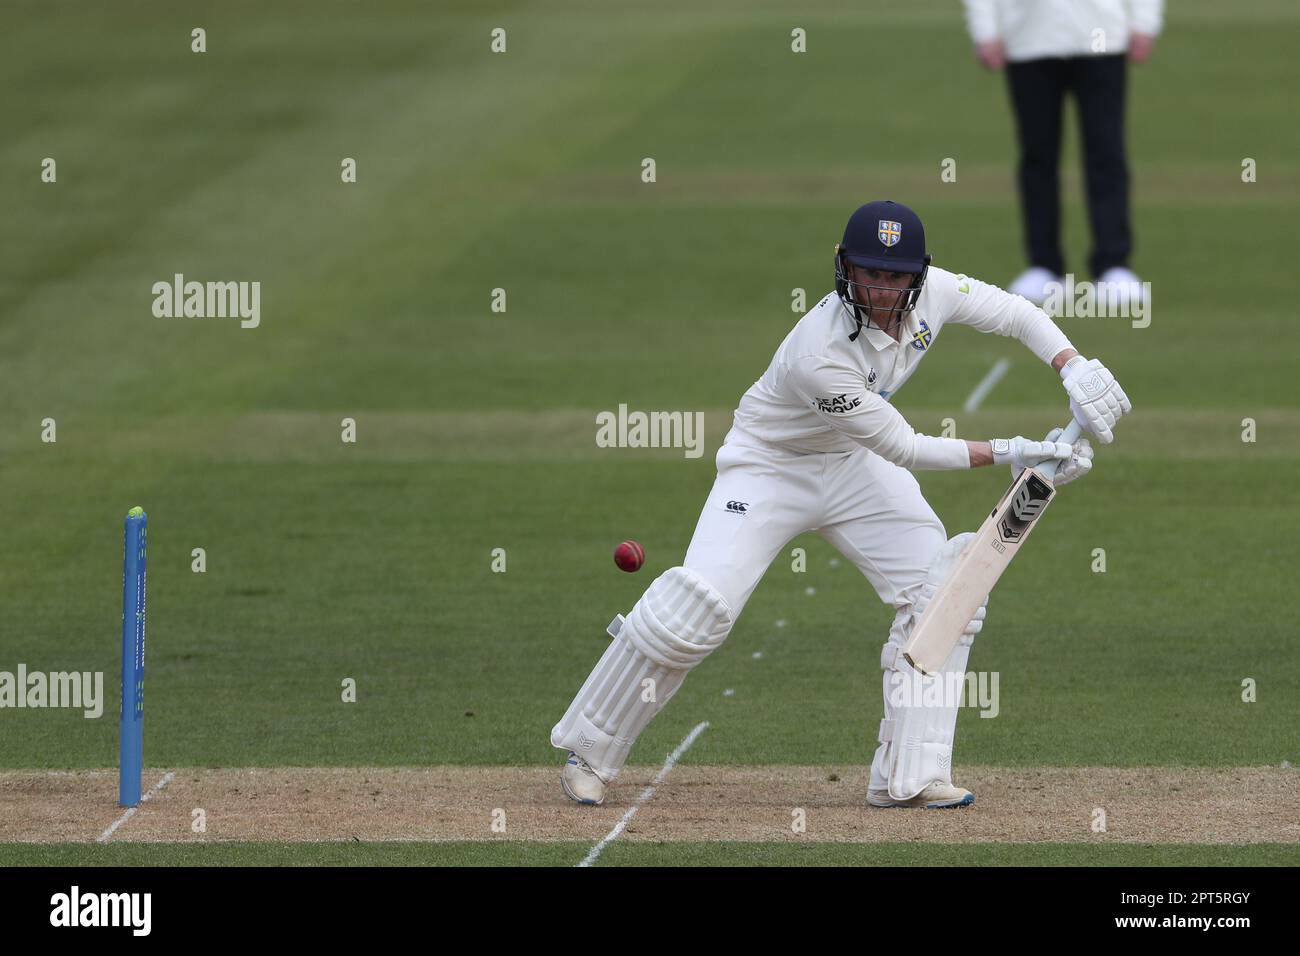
(882,340)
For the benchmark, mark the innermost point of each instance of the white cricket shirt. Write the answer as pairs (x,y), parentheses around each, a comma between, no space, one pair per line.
(824,393)
(1037,29)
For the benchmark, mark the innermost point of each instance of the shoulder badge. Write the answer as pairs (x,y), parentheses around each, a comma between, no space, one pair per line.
(921,339)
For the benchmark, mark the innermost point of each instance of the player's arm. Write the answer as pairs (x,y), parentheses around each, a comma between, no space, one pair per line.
(1146,16)
(839,396)
(1096,398)
(982,21)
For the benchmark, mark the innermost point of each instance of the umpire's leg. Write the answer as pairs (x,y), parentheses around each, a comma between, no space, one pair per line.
(1098,83)
(1037,90)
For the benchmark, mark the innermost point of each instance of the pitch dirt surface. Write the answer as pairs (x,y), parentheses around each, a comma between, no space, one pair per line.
(747,804)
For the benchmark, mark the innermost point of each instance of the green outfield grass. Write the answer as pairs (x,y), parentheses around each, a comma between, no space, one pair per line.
(317,573)
(476,430)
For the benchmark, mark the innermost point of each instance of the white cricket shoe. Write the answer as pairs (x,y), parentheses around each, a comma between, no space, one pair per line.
(1032,284)
(1119,285)
(581,783)
(937,796)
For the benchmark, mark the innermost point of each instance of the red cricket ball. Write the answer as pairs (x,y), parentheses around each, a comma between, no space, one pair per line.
(629,556)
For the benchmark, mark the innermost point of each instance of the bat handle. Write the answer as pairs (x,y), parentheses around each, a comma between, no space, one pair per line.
(1069,436)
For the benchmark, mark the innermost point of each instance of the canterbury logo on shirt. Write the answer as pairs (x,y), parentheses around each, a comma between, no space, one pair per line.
(838,404)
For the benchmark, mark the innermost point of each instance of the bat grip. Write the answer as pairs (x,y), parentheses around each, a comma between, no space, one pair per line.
(1069,436)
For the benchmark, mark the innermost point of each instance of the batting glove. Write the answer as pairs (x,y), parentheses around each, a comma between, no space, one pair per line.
(1096,399)
(1020,452)
(1076,466)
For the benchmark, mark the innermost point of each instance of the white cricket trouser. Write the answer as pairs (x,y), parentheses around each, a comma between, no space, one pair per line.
(870,510)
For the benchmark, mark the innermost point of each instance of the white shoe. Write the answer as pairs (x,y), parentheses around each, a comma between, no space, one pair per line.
(1127,287)
(581,783)
(937,796)
(1032,284)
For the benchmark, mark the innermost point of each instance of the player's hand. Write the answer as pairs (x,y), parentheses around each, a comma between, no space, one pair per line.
(1020,452)
(1076,466)
(1096,399)
(1140,46)
(993,56)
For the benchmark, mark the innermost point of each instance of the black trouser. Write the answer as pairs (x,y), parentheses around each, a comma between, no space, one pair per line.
(1038,89)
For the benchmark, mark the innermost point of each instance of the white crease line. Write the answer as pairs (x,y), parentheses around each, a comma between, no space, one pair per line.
(649,792)
(153,791)
(999,369)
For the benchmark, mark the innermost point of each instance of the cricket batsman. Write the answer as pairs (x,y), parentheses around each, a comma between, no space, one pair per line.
(816,446)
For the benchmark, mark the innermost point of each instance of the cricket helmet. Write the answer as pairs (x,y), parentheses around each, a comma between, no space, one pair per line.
(880,235)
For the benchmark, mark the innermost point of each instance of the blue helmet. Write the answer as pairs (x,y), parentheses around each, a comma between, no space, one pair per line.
(880,235)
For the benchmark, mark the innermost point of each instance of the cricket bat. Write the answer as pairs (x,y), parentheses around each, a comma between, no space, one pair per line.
(980,565)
